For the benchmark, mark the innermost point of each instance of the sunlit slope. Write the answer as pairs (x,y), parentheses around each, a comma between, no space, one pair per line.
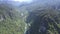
(11,21)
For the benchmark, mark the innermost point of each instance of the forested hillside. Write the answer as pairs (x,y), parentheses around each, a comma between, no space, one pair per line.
(44,21)
(30,18)
(11,19)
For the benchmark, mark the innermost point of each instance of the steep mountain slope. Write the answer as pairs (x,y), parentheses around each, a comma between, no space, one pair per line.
(45,21)
(11,21)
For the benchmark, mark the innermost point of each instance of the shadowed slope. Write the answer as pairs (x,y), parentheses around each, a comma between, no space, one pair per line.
(45,21)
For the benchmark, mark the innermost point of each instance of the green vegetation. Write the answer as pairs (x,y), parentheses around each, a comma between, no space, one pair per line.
(44,21)
(11,21)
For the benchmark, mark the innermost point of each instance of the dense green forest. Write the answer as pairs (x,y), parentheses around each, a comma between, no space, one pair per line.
(33,18)
(44,21)
(12,19)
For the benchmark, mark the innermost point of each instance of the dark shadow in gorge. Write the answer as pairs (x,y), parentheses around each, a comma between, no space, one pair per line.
(41,21)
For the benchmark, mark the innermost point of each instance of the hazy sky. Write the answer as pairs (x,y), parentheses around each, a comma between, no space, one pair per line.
(23,0)
(50,2)
(19,0)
